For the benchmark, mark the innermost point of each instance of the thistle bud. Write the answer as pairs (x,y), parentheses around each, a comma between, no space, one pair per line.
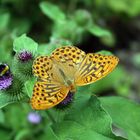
(25,56)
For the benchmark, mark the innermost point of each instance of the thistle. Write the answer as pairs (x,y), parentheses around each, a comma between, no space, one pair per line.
(16,90)
(5,82)
(23,64)
(6,77)
(25,56)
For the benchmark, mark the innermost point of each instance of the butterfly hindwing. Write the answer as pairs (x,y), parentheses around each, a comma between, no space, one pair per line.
(94,67)
(46,95)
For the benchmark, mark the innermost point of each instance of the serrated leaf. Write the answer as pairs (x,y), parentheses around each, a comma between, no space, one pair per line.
(25,43)
(52,11)
(125,114)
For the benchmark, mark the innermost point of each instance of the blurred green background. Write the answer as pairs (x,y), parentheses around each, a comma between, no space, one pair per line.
(105,26)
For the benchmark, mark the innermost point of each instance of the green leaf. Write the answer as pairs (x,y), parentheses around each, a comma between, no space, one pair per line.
(72,130)
(29,87)
(2,117)
(125,114)
(85,119)
(52,11)
(108,40)
(22,134)
(98,31)
(12,121)
(25,43)
(70,31)
(4,100)
(82,17)
(5,134)
(104,52)
(49,135)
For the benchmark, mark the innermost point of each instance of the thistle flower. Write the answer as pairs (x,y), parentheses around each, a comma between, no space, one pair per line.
(66,102)
(5,82)
(5,77)
(25,56)
(23,64)
(16,90)
(34,118)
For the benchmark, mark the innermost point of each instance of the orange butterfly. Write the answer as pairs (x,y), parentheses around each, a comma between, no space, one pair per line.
(66,68)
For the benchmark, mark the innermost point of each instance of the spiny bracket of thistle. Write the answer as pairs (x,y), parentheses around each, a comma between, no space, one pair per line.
(16,90)
(26,50)
(22,65)
(11,86)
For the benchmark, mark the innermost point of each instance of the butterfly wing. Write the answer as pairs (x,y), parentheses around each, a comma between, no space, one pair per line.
(94,67)
(47,95)
(50,89)
(68,59)
(46,70)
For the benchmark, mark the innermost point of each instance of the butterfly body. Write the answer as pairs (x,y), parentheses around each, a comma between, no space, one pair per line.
(66,68)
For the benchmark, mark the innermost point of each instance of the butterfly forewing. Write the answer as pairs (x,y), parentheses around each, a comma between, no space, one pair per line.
(46,70)
(47,95)
(68,59)
(94,67)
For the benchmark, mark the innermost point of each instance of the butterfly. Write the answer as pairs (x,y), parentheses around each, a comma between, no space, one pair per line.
(66,68)
(4,69)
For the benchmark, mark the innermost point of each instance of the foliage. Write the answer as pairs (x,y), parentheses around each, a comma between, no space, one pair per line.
(118,106)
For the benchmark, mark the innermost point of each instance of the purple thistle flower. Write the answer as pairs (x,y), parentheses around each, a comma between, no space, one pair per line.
(5,76)
(25,56)
(5,82)
(34,118)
